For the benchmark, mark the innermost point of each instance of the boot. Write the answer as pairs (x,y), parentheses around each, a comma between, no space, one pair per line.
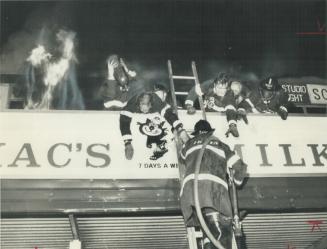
(221,228)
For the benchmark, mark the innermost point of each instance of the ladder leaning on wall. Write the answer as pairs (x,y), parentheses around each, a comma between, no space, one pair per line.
(192,234)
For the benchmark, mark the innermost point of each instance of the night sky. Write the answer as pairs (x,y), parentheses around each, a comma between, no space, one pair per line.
(254,36)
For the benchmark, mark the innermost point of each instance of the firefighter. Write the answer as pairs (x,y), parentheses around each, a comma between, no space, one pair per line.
(218,97)
(115,88)
(213,188)
(268,98)
(241,92)
(145,103)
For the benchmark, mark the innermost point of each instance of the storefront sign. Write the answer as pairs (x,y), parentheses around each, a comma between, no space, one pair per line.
(305,90)
(317,94)
(88,145)
(297,93)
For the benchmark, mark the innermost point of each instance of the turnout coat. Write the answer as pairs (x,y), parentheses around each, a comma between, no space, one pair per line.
(213,186)
(226,102)
(257,103)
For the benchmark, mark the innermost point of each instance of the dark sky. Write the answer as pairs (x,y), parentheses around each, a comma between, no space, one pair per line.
(256,36)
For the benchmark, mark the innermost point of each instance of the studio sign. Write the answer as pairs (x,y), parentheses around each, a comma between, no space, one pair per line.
(61,155)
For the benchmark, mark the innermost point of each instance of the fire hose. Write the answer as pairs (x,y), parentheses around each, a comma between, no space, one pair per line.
(203,224)
(196,197)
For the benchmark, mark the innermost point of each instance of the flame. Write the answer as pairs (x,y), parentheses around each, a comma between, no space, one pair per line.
(66,39)
(38,55)
(56,71)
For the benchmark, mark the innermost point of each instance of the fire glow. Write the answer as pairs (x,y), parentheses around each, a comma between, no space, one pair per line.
(56,70)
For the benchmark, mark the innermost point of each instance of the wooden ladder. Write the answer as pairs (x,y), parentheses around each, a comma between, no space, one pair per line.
(194,77)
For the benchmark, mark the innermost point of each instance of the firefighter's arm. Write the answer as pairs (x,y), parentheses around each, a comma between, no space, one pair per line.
(282,105)
(194,93)
(131,73)
(125,129)
(235,162)
(111,65)
(239,168)
(189,102)
(171,117)
(168,113)
(250,102)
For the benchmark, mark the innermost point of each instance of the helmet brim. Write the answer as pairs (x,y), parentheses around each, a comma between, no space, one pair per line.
(195,133)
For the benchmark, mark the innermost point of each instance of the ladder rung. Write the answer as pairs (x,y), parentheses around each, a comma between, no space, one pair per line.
(184,77)
(181,93)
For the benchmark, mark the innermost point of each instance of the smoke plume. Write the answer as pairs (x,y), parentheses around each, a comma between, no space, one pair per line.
(38,29)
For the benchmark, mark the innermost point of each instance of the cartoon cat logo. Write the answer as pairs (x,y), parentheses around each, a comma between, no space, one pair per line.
(155,133)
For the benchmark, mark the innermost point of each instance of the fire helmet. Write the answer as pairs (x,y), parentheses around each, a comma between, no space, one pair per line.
(202,125)
(269,84)
(222,78)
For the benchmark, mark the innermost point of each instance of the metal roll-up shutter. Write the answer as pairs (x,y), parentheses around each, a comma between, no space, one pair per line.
(159,232)
(284,230)
(262,231)
(54,233)
(133,232)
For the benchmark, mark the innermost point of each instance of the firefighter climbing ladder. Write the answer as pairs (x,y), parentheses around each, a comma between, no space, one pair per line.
(191,233)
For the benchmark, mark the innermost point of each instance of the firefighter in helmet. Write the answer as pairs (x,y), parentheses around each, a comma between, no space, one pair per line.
(214,199)
(115,88)
(268,98)
(218,97)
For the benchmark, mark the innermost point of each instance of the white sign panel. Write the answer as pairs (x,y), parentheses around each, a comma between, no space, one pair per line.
(80,145)
(88,145)
(317,94)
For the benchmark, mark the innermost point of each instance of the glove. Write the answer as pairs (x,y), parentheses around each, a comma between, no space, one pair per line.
(282,112)
(183,136)
(241,114)
(130,72)
(129,150)
(211,104)
(111,70)
(232,130)
(190,109)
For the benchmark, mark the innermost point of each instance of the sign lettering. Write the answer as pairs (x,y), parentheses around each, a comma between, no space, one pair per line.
(95,149)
